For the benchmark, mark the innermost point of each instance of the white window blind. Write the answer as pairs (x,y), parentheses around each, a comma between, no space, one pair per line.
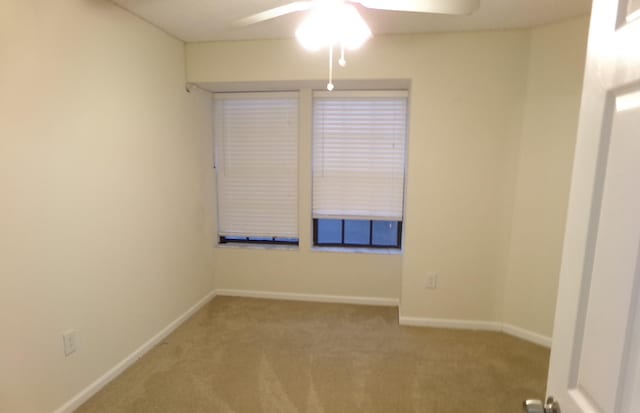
(256,139)
(359,155)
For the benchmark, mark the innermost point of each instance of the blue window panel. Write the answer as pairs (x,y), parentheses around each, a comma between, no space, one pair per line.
(356,232)
(286,239)
(329,231)
(261,238)
(234,238)
(385,233)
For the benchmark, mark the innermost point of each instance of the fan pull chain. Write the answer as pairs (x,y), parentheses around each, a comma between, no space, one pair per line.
(330,84)
(342,60)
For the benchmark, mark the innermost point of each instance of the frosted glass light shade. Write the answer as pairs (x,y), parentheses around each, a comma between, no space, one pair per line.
(333,23)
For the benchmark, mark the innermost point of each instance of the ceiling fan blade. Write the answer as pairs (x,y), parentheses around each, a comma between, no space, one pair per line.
(423,6)
(273,13)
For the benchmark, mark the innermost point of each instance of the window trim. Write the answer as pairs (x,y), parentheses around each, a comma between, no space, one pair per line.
(305,95)
(222,240)
(398,246)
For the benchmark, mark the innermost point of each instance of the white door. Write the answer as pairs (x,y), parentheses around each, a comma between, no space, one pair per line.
(595,359)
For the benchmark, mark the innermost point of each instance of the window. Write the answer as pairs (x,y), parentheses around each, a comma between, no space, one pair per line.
(259,240)
(357,233)
(358,168)
(256,137)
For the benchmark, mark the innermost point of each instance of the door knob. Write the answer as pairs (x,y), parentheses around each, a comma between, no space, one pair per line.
(536,406)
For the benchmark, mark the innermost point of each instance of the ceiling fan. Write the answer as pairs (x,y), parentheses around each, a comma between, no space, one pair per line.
(337,23)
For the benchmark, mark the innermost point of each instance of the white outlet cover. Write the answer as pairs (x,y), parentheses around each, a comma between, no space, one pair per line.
(432,281)
(69,341)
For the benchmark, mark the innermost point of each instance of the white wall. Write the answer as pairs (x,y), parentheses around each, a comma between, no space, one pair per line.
(102,178)
(467,91)
(544,160)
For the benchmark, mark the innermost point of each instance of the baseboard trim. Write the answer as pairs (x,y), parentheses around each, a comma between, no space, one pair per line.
(84,395)
(509,329)
(450,323)
(527,335)
(321,298)
(518,332)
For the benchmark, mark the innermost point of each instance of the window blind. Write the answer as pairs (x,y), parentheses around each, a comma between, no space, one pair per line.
(256,139)
(359,155)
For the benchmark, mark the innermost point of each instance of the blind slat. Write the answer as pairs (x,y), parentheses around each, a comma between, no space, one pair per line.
(359,155)
(257,164)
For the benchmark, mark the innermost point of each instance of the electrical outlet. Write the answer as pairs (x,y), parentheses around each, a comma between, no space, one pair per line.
(432,281)
(70,342)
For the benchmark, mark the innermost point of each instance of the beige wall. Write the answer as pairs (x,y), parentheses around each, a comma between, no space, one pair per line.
(101,193)
(545,157)
(304,270)
(106,202)
(467,91)
(486,109)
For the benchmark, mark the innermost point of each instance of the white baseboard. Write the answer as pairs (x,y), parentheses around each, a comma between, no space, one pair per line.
(450,323)
(343,299)
(84,395)
(527,335)
(477,325)
(403,320)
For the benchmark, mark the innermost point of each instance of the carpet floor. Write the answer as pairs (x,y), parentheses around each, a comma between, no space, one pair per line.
(253,355)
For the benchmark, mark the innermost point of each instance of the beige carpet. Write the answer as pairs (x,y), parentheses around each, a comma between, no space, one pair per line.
(250,355)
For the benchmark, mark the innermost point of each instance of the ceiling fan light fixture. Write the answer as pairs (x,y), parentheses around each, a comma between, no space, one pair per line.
(313,34)
(336,24)
(333,23)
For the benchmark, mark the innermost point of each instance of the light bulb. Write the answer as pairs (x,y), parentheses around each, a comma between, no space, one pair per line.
(332,22)
(310,36)
(317,29)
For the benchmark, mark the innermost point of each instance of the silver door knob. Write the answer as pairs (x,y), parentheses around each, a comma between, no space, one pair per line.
(536,406)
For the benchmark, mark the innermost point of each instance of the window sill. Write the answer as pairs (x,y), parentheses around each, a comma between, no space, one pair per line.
(247,246)
(359,250)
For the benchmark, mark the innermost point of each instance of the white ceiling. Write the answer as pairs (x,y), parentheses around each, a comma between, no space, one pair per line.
(208,20)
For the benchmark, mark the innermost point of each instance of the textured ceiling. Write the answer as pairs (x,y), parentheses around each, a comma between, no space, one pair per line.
(208,20)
